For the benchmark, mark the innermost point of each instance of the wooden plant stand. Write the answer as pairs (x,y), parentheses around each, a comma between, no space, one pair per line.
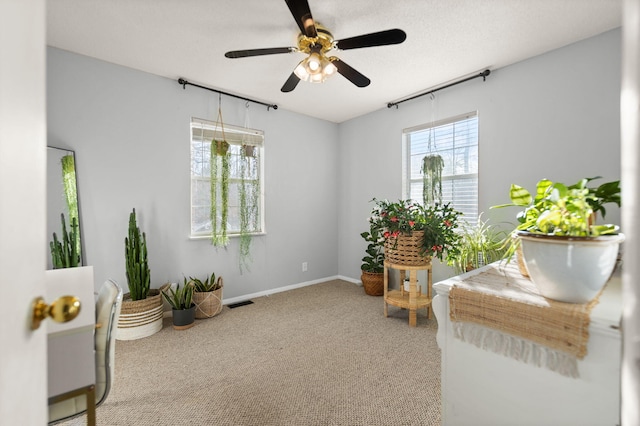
(413,299)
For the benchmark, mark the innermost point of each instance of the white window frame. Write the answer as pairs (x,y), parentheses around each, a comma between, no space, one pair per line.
(471,214)
(236,136)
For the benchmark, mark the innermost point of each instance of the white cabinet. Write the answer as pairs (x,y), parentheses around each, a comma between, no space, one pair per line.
(480,387)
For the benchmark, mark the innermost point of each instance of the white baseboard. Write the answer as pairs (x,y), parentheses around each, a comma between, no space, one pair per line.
(286,288)
(351,280)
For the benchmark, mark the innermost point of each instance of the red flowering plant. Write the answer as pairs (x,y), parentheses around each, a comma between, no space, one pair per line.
(439,223)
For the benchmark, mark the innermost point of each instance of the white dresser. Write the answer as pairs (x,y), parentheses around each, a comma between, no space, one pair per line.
(480,387)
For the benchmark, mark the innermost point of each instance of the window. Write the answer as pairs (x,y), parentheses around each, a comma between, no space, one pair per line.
(250,164)
(456,141)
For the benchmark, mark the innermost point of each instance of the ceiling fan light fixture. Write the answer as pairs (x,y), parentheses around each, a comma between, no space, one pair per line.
(313,62)
(328,68)
(315,68)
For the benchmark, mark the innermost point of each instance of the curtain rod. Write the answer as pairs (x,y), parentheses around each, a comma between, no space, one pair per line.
(483,74)
(184,83)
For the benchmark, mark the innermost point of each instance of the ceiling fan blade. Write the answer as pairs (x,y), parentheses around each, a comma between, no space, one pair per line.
(291,83)
(350,73)
(302,15)
(381,38)
(259,52)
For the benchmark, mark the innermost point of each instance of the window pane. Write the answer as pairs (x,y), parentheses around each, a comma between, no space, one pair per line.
(200,221)
(200,192)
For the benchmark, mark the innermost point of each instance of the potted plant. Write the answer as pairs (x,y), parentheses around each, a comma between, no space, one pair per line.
(414,233)
(64,254)
(373,263)
(568,257)
(207,296)
(141,312)
(432,166)
(220,173)
(184,310)
(480,244)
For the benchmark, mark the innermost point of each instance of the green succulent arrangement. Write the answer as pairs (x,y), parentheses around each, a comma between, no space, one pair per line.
(209,284)
(180,298)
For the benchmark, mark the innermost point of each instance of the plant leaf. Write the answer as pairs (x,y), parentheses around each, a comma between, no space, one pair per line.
(519,195)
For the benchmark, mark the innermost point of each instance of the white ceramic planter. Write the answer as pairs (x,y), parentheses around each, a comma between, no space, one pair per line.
(570,269)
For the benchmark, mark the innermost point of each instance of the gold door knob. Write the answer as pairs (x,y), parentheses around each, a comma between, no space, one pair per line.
(63,309)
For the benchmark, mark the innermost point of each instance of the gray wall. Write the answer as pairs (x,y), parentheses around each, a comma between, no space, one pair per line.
(554,116)
(130,133)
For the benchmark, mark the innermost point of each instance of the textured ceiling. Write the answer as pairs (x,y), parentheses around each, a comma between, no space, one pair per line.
(446,40)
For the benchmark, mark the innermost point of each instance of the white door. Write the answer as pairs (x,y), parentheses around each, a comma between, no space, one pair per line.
(23,367)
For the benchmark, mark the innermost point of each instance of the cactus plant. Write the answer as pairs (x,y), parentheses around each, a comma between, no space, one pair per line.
(70,189)
(65,254)
(137,266)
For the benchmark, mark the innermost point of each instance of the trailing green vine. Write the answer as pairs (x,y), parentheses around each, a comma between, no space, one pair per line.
(219,183)
(249,197)
(432,165)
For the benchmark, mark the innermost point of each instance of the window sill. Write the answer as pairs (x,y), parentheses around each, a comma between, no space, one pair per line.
(208,237)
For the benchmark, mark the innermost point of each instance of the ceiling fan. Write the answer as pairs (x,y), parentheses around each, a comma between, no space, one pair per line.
(315,40)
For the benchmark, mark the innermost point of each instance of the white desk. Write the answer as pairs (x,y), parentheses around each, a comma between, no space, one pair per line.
(480,387)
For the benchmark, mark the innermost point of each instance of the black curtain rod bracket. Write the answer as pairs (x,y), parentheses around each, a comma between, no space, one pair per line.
(184,83)
(483,74)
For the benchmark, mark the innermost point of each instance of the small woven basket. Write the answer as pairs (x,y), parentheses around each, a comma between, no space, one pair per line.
(373,283)
(208,303)
(405,249)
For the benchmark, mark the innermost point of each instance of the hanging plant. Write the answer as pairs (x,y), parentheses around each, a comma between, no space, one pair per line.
(220,169)
(222,147)
(249,196)
(248,151)
(432,165)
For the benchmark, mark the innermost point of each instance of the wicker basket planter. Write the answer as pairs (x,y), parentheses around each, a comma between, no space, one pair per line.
(208,303)
(405,250)
(140,318)
(373,283)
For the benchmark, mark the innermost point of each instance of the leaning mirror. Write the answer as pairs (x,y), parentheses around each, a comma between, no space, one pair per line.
(63,219)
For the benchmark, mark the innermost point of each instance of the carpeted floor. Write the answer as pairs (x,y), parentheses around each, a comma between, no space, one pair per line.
(318,355)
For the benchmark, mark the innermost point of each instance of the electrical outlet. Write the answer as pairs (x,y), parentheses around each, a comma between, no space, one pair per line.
(304,266)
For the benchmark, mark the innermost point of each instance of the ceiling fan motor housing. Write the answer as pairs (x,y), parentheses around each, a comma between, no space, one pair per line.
(323,42)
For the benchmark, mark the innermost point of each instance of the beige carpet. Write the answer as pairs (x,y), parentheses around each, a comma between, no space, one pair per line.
(319,355)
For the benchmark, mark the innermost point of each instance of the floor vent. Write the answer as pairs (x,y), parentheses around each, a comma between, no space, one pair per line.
(243,303)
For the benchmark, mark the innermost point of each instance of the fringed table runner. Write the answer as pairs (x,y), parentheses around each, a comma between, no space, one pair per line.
(502,311)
